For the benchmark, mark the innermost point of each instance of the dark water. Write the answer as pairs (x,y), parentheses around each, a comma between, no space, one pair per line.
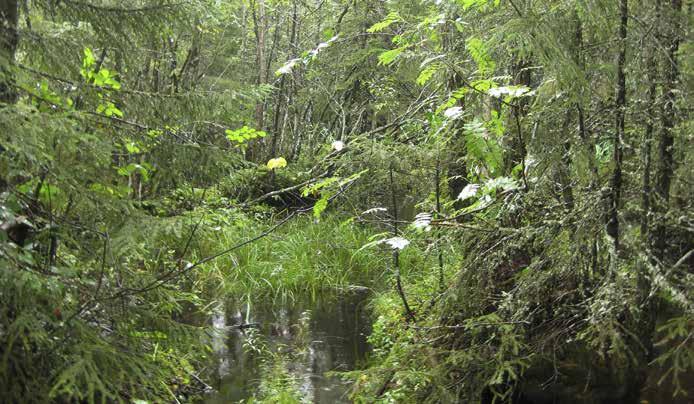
(327,334)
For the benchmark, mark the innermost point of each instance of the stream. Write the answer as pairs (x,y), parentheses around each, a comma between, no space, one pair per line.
(321,335)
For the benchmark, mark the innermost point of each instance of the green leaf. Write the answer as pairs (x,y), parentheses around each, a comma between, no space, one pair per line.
(483,148)
(243,134)
(314,188)
(154,133)
(132,148)
(111,110)
(388,57)
(320,205)
(328,33)
(426,74)
(89,59)
(483,85)
(479,4)
(131,168)
(496,124)
(480,54)
(381,25)
(503,183)
(455,96)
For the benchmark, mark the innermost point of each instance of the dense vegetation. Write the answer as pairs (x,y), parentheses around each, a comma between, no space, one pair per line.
(512,178)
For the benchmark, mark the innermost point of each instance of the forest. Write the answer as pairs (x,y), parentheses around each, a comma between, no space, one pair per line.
(346,201)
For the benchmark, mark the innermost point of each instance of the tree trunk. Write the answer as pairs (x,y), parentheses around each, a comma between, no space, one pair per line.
(645,325)
(9,39)
(396,254)
(612,226)
(564,169)
(279,118)
(657,236)
(665,145)
(652,64)
(260,60)
(588,143)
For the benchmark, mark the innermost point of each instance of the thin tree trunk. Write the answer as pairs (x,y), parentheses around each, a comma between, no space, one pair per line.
(612,226)
(564,171)
(9,39)
(279,20)
(192,60)
(439,213)
(652,64)
(645,325)
(279,119)
(260,60)
(665,146)
(276,117)
(396,252)
(564,174)
(657,236)
(259,28)
(587,141)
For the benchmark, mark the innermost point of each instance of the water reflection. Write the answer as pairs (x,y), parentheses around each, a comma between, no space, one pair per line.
(329,332)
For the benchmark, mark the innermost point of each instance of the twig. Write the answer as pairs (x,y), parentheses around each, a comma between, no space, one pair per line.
(283,190)
(119,10)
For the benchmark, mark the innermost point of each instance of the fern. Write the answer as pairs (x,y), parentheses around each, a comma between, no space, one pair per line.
(388,57)
(391,18)
(478,50)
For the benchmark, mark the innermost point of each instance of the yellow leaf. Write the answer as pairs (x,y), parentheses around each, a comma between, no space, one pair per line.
(278,162)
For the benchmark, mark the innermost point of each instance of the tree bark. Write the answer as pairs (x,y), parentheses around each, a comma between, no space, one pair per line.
(9,39)
(564,169)
(588,143)
(279,119)
(665,145)
(645,325)
(614,198)
(260,60)
(652,64)
(665,164)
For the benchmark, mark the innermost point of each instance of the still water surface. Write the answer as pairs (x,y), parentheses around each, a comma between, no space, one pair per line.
(329,334)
